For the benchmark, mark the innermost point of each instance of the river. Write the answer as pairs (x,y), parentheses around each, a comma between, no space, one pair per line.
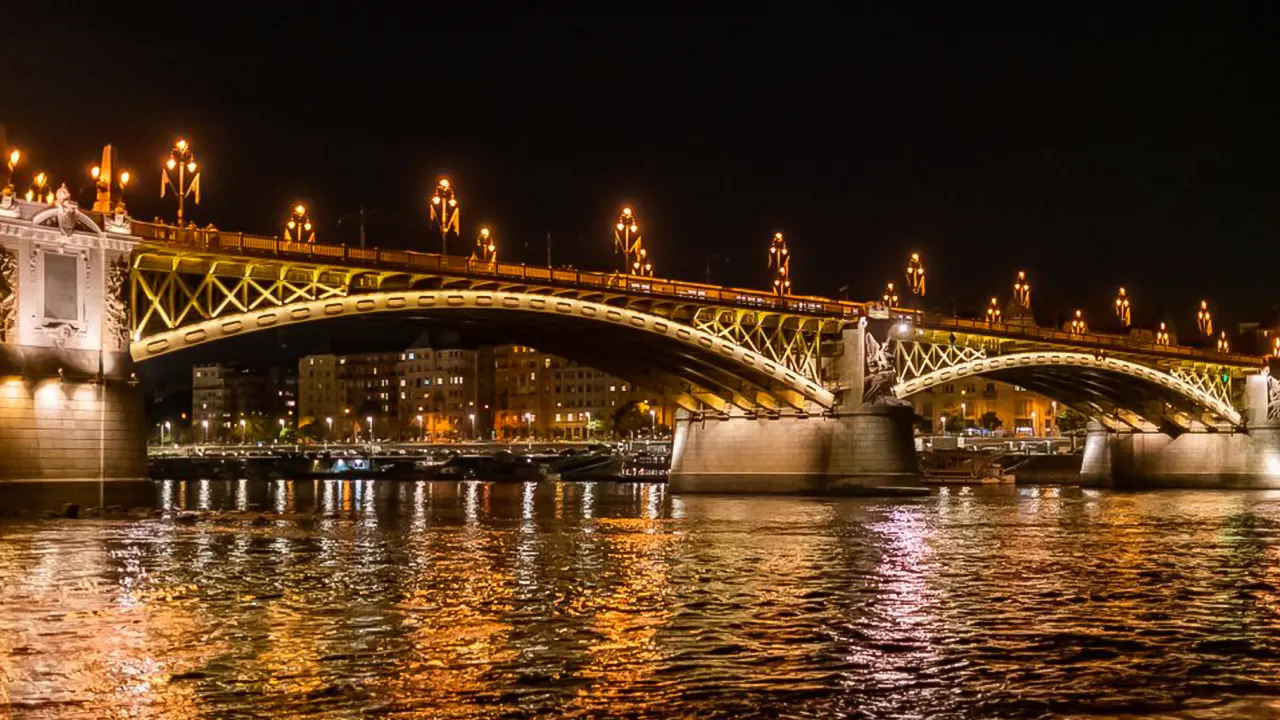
(476,600)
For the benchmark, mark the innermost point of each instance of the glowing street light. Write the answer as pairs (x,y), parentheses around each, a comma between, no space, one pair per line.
(242,431)
(205,424)
(528,419)
(369,419)
(1122,308)
(183,161)
(328,435)
(1162,335)
(627,240)
(40,188)
(1022,290)
(1077,325)
(915,275)
(1204,320)
(486,250)
(444,212)
(993,312)
(890,296)
(1224,346)
(298,227)
(780,263)
(1275,348)
(472,416)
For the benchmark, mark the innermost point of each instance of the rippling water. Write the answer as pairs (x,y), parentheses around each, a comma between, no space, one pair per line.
(474,600)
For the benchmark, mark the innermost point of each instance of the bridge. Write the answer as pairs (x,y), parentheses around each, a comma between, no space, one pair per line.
(779,392)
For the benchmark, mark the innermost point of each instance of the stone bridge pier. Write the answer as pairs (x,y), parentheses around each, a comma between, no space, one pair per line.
(71,418)
(1249,458)
(858,446)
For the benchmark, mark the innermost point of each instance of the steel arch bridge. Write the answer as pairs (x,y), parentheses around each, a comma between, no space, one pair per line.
(708,348)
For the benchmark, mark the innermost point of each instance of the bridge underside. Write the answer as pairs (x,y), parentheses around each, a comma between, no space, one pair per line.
(694,368)
(1120,394)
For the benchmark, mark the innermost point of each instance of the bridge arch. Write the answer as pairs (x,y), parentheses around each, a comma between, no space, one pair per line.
(1075,378)
(684,351)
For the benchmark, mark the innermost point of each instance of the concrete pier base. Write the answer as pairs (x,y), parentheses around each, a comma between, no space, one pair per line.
(1199,460)
(71,441)
(852,452)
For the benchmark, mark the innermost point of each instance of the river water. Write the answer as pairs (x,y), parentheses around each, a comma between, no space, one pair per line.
(476,600)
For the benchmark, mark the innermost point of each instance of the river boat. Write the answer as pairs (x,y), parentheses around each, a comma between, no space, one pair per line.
(965,467)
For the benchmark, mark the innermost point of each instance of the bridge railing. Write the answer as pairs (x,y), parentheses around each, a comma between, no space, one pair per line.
(212,240)
(1092,340)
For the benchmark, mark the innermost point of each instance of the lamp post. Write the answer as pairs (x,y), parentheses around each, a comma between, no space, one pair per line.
(40,188)
(444,212)
(964,416)
(205,424)
(993,312)
(472,417)
(1022,290)
(166,431)
(183,162)
(943,420)
(328,435)
(915,275)
(653,425)
(628,241)
(890,296)
(1122,309)
(486,250)
(1053,411)
(369,419)
(1034,428)
(1224,346)
(1162,335)
(1204,320)
(780,263)
(422,429)
(1077,325)
(528,419)
(11,157)
(298,227)
(588,424)
(243,439)
(281,434)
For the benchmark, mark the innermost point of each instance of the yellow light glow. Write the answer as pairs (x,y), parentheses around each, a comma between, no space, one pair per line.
(307,227)
(41,178)
(300,209)
(626,212)
(124,178)
(915,257)
(291,225)
(14,157)
(452,202)
(95,172)
(484,232)
(444,183)
(191,166)
(435,200)
(30,196)
(620,227)
(181,145)
(777,236)
(634,227)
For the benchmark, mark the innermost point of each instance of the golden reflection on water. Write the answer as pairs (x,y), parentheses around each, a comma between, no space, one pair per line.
(474,599)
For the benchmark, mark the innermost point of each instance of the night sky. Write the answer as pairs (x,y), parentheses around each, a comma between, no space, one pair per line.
(1090,150)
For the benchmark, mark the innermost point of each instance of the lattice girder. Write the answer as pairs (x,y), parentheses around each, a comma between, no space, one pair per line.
(793,341)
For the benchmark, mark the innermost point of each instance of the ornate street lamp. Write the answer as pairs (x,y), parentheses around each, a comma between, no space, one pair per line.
(1204,320)
(1122,308)
(1162,335)
(915,275)
(993,312)
(890,296)
(40,189)
(298,227)
(1224,346)
(11,157)
(1022,290)
(627,240)
(183,162)
(445,212)
(780,263)
(486,249)
(1077,325)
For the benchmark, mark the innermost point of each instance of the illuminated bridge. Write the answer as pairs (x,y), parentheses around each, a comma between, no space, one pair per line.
(780,392)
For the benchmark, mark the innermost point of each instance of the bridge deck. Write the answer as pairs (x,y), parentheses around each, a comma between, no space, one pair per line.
(255,246)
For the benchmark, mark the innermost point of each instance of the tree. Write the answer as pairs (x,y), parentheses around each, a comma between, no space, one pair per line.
(1069,421)
(990,421)
(954,420)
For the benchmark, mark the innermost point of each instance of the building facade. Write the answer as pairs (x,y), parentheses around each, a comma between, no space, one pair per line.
(1020,411)
(446,394)
(224,395)
(349,397)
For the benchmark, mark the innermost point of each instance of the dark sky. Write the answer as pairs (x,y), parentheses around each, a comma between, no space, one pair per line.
(1090,149)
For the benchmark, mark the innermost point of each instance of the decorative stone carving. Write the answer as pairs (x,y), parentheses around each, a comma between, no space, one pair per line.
(8,207)
(1273,399)
(880,373)
(119,221)
(116,309)
(8,295)
(67,210)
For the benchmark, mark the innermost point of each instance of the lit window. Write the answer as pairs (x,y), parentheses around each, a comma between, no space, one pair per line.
(557,417)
